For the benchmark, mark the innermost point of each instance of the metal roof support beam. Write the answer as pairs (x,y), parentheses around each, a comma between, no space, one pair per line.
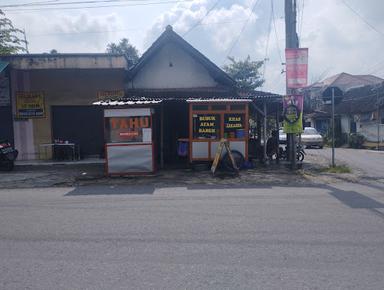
(258,109)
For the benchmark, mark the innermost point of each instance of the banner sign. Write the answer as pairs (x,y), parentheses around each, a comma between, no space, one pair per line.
(107,95)
(30,105)
(128,129)
(206,126)
(296,62)
(293,113)
(234,125)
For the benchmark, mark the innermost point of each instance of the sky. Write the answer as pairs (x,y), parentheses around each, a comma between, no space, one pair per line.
(342,35)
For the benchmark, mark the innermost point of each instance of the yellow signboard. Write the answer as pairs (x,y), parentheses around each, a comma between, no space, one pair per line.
(106,95)
(30,105)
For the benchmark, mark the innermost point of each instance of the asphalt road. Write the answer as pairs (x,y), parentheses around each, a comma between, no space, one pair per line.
(193,238)
(369,162)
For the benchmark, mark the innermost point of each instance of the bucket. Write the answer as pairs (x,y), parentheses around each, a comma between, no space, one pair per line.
(240,133)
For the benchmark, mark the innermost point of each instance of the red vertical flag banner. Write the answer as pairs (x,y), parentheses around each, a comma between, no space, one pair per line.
(296,65)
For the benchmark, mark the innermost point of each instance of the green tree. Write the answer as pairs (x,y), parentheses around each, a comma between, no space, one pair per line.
(124,47)
(245,73)
(10,42)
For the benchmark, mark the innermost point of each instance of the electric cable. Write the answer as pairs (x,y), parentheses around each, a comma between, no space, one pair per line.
(242,29)
(95,6)
(267,45)
(362,18)
(56,3)
(276,36)
(199,21)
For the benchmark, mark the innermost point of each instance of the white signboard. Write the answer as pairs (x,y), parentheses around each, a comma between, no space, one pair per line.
(296,60)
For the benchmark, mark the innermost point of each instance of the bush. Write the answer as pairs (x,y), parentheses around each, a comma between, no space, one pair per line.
(340,139)
(356,140)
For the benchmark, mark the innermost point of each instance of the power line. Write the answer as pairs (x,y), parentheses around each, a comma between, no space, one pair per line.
(267,44)
(362,18)
(56,3)
(28,4)
(117,30)
(301,18)
(96,6)
(199,21)
(242,29)
(276,37)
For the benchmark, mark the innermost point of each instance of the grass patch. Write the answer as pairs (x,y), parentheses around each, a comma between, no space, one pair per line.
(337,169)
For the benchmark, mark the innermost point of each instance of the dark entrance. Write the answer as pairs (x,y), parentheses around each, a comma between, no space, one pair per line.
(82,125)
(6,127)
(175,126)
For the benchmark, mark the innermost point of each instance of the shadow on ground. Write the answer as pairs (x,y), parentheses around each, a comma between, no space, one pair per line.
(356,200)
(111,190)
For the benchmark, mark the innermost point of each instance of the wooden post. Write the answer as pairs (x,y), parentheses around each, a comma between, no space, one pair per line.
(162,136)
(277,132)
(258,132)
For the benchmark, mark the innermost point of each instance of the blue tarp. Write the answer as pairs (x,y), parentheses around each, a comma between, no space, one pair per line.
(3,65)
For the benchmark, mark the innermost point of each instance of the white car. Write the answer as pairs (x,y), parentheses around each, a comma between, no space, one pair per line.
(309,138)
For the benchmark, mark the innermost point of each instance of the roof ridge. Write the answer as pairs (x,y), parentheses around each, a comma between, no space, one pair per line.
(169,33)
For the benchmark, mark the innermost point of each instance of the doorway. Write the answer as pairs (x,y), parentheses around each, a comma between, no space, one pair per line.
(175,126)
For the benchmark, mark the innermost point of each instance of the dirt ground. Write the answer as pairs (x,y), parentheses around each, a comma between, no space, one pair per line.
(90,174)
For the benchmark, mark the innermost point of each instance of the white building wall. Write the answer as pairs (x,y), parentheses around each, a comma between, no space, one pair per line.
(369,131)
(172,68)
(345,124)
(22,129)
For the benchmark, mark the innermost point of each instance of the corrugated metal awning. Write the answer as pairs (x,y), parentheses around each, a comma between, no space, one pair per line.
(126,102)
(221,100)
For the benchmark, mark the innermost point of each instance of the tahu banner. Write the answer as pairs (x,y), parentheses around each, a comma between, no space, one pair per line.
(293,113)
(296,66)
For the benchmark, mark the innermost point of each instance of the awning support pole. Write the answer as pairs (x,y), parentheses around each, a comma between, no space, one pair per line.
(162,136)
(265,133)
(277,132)
(258,132)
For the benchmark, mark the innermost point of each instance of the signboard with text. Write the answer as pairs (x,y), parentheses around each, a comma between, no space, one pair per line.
(206,126)
(296,60)
(293,113)
(234,125)
(106,95)
(128,129)
(30,105)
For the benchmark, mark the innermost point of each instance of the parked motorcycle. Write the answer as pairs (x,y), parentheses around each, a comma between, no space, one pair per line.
(8,155)
(300,153)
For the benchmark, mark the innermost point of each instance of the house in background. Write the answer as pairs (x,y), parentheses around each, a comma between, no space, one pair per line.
(361,108)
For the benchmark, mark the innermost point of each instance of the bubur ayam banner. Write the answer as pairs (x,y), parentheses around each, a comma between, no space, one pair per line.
(293,113)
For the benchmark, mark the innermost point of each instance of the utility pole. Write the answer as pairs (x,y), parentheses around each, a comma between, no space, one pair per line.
(291,41)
